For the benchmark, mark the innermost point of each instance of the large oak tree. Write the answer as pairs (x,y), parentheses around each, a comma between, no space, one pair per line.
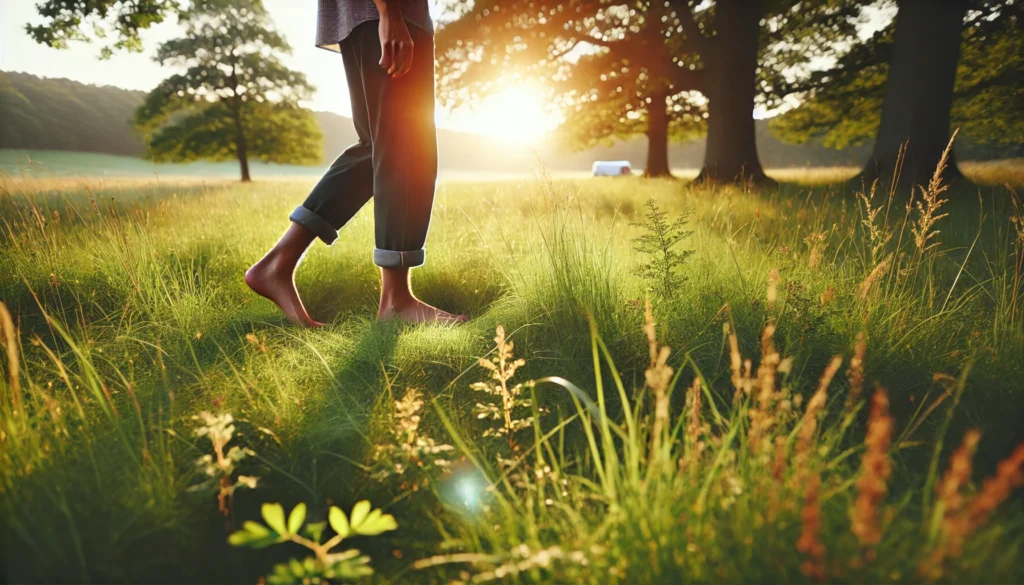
(939,64)
(235,99)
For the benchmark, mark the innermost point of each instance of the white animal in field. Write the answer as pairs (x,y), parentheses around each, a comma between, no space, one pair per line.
(612,168)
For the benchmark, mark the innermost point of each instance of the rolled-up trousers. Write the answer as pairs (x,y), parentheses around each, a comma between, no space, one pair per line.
(395,160)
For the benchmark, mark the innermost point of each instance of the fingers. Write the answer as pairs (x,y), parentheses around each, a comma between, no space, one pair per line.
(387,56)
(401,53)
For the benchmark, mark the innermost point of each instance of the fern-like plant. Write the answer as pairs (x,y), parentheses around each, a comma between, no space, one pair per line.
(326,565)
(506,403)
(662,270)
(219,467)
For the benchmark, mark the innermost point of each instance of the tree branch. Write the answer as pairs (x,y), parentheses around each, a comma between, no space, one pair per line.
(696,41)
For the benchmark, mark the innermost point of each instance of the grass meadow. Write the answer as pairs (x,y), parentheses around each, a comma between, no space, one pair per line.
(827,389)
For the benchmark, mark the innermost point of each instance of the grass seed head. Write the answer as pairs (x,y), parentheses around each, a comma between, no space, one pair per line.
(874,474)
(810,542)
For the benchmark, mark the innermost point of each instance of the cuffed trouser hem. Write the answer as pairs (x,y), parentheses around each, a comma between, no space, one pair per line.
(396,259)
(315,224)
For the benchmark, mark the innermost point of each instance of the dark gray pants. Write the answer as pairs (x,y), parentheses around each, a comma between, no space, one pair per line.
(395,160)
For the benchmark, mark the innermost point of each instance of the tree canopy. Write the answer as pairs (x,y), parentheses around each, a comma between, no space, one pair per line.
(610,66)
(68,20)
(235,98)
(842,105)
(603,64)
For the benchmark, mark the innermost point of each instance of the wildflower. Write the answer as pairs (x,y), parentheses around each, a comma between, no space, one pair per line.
(816,249)
(762,416)
(773,282)
(503,367)
(928,210)
(740,369)
(866,286)
(658,377)
(995,490)
(810,420)
(408,448)
(875,471)
(876,232)
(809,542)
(219,466)
(954,525)
(260,343)
(694,446)
(856,371)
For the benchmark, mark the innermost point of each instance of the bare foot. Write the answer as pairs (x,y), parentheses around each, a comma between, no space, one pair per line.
(416,311)
(267,279)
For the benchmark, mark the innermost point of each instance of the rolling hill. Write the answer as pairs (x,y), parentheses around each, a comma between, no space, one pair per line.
(60,114)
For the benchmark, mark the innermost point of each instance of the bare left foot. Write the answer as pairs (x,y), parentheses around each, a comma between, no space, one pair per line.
(267,279)
(416,311)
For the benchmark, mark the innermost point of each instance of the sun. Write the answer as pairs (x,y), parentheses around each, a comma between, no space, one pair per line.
(516,114)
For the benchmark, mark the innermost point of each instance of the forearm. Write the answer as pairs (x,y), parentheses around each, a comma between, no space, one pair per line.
(389,7)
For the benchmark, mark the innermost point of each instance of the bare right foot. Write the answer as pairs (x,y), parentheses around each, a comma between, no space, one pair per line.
(271,280)
(416,311)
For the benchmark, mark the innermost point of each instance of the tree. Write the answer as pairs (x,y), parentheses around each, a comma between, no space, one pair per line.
(66,19)
(919,91)
(731,63)
(626,67)
(613,68)
(846,105)
(236,99)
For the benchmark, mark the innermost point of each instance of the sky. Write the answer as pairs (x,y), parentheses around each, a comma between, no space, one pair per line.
(505,115)
(295,19)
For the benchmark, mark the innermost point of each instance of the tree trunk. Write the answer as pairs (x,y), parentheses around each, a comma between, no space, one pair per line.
(919,92)
(657,137)
(241,144)
(241,147)
(731,152)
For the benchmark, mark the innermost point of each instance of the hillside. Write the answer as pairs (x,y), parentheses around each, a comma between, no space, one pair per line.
(59,114)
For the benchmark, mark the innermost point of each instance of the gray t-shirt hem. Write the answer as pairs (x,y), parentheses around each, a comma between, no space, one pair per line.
(337,18)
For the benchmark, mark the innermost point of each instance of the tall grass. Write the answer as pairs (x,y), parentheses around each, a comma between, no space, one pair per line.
(128,318)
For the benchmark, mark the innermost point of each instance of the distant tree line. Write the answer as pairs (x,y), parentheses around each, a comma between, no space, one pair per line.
(60,114)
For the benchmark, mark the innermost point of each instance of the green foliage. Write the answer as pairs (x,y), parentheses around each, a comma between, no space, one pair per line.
(408,450)
(754,483)
(607,64)
(625,56)
(219,467)
(326,564)
(59,114)
(662,271)
(67,20)
(842,105)
(235,98)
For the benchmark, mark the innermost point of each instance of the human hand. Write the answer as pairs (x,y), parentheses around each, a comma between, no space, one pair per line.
(396,46)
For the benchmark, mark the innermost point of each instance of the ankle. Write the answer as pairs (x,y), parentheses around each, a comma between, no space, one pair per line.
(397,299)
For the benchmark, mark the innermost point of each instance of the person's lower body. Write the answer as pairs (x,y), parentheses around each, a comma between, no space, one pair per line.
(394,163)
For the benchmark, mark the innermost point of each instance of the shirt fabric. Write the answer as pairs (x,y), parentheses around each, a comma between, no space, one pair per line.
(337,18)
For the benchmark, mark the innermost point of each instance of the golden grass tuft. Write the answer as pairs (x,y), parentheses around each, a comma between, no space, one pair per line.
(874,475)
(953,524)
(810,542)
(809,425)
